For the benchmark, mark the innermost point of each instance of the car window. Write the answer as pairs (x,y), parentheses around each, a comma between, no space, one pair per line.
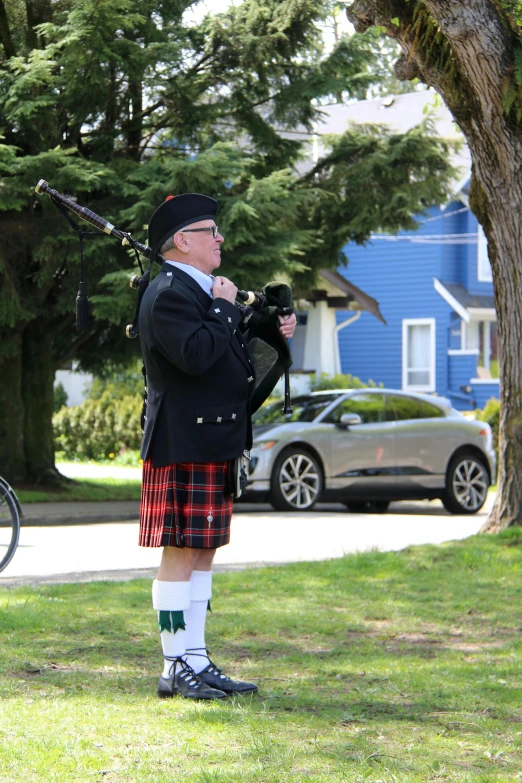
(306,408)
(411,408)
(370,407)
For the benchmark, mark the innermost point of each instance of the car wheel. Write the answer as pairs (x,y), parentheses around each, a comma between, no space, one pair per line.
(467,485)
(297,481)
(368,506)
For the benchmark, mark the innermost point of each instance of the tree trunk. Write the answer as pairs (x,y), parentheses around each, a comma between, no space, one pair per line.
(12,461)
(38,397)
(466,52)
(5,33)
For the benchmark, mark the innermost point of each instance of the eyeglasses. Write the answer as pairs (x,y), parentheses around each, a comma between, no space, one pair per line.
(214,229)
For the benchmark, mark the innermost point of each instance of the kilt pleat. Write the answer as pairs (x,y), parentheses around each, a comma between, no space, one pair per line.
(185,505)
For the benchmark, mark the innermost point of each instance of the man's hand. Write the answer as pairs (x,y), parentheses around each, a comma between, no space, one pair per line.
(287,325)
(224,288)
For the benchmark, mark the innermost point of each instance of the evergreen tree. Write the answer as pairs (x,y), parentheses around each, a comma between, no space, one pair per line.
(120,103)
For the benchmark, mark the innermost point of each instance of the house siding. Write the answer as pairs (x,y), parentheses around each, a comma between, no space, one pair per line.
(454,258)
(482,392)
(472,283)
(400,275)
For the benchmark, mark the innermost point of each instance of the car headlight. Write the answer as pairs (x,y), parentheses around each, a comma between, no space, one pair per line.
(264,444)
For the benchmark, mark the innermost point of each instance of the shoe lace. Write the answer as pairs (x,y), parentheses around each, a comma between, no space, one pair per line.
(185,671)
(212,668)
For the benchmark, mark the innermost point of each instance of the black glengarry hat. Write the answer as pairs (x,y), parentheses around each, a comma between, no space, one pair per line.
(175,213)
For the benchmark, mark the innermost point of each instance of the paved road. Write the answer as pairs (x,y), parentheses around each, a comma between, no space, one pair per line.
(110,551)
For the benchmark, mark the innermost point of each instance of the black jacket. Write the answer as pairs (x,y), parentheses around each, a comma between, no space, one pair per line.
(200,375)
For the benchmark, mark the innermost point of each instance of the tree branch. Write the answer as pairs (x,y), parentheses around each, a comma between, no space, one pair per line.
(71,352)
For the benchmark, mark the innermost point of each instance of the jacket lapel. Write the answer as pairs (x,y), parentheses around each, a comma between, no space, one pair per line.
(206,300)
(202,297)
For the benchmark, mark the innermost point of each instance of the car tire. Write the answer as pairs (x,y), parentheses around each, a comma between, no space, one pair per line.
(368,506)
(297,481)
(467,483)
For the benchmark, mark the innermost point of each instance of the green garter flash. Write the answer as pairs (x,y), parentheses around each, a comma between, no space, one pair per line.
(171,621)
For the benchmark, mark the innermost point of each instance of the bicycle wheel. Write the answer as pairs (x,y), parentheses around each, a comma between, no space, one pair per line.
(9,524)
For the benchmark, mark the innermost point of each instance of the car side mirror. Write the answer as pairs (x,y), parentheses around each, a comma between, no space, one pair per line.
(349,419)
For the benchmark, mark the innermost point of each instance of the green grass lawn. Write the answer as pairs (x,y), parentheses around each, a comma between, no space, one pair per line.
(83,489)
(375,667)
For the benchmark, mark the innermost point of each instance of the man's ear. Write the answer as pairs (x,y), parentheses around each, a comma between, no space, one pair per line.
(181,241)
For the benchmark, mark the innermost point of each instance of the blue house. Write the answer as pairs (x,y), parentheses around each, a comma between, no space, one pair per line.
(433,288)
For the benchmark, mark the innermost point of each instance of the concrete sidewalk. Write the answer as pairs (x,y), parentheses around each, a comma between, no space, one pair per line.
(260,536)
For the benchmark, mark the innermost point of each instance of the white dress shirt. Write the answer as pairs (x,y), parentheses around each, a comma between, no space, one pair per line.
(205,281)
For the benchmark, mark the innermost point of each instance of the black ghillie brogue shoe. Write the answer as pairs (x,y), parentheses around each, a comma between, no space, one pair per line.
(185,682)
(213,676)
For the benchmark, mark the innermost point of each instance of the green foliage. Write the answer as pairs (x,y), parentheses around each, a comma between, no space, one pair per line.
(375,179)
(426,35)
(324,381)
(121,102)
(60,397)
(119,382)
(107,424)
(124,102)
(97,428)
(491,414)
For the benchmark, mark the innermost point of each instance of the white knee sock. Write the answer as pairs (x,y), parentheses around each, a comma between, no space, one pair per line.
(171,598)
(195,618)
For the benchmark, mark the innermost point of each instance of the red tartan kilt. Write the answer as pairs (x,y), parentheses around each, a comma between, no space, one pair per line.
(185,505)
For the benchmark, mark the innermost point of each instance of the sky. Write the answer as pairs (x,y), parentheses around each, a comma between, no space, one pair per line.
(196,13)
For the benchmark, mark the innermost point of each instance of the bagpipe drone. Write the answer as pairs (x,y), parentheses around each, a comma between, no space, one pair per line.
(270,350)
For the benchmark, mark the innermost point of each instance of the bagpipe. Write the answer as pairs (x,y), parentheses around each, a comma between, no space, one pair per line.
(269,349)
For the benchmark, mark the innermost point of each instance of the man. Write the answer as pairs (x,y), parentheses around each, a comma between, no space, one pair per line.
(200,379)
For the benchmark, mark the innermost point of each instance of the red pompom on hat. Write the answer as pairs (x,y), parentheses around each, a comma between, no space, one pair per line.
(169,197)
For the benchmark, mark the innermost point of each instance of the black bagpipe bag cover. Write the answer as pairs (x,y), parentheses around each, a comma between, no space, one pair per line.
(269,349)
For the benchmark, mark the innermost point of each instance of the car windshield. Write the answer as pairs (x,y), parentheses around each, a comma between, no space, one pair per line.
(306,408)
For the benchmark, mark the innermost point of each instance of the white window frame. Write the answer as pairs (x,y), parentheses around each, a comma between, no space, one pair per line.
(406,323)
(484,273)
(487,317)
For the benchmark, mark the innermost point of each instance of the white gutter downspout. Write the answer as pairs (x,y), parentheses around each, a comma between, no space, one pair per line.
(337,329)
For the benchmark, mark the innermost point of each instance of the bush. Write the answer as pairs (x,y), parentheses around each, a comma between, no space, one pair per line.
(60,397)
(491,414)
(324,381)
(99,427)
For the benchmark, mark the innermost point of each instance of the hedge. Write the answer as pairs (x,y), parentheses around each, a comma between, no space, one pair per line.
(99,427)
(491,414)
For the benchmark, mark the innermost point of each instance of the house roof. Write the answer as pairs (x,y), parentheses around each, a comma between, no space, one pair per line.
(467,300)
(350,290)
(400,113)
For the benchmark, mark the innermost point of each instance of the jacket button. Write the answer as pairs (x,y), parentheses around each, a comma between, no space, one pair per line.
(250,379)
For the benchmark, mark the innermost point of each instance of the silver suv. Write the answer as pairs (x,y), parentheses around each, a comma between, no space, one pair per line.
(368,447)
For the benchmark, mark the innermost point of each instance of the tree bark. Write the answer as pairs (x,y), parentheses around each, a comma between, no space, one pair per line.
(476,61)
(134,132)
(38,397)
(12,460)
